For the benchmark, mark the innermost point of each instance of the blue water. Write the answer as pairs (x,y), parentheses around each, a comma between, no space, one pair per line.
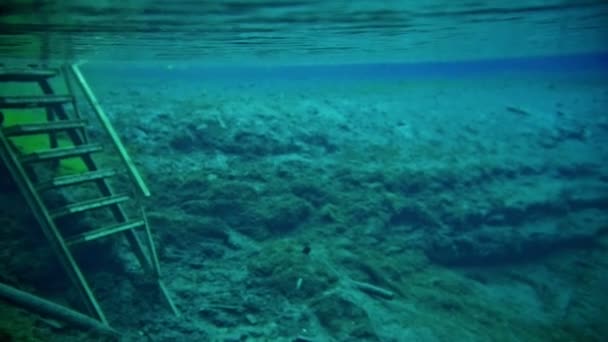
(393,71)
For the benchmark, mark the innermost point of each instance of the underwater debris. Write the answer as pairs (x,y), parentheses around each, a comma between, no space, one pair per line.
(373,290)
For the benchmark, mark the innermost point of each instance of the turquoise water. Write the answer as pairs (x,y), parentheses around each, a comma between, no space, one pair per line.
(329,171)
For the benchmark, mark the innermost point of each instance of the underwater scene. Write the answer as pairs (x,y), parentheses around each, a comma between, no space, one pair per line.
(304,171)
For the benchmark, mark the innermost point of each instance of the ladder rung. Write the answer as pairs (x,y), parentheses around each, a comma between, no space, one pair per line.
(105,231)
(75,179)
(60,152)
(33,101)
(88,205)
(25,74)
(44,127)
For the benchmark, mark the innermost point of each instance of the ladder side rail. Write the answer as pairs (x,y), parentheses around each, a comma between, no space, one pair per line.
(156,264)
(48,308)
(107,125)
(150,243)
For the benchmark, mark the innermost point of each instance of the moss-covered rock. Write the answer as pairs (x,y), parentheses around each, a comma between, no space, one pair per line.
(16,326)
(182,229)
(284,213)
(343,319)
(332,213)
(285,267)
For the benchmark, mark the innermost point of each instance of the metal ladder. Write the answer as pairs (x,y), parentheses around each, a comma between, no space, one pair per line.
(23,165)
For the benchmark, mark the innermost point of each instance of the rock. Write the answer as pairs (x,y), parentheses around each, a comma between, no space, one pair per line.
(343,319)
(183,143)
(258,144)
(282,267)
(251,319)
(498,245)
(221,318)
(285,213)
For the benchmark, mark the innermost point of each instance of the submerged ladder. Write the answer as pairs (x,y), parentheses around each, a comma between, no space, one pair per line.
(25,166)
